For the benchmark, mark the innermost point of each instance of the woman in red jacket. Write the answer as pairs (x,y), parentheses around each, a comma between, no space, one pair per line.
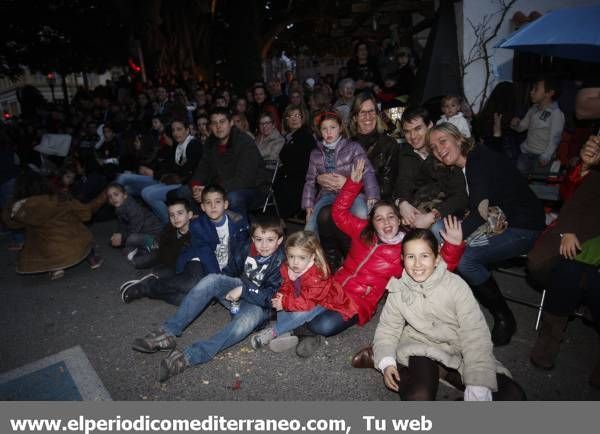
(374,258)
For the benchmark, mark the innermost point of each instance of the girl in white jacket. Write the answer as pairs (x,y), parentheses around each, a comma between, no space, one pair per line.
(431,324)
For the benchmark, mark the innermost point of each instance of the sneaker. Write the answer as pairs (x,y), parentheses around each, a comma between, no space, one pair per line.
(128,283)
(283,343)
(57,274)
(308,345)
(262,338)
(132,254)
(94,261)
(154,341)
(135,289)
(174,364)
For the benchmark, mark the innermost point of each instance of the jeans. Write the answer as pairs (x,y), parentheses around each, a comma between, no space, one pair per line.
(288,321)
(242,201)
(241,325)
(435,230)
(156,196)
(509,244)
(530,164)
(172,287)
(6,193)
(359,209)
(330,323)
(134,183)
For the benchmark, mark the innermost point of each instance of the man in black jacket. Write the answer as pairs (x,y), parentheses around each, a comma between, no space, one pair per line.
(232,160)
(425,190)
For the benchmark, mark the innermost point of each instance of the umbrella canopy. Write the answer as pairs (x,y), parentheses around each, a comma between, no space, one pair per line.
(572,33)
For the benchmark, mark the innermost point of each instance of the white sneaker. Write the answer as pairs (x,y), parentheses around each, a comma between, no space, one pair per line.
(283,343)
(132,254)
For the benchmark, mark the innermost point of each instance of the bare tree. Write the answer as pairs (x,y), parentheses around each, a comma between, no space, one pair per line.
(484,32)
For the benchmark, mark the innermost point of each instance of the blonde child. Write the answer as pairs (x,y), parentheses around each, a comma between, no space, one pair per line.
(431,320)
(307,290)
(452,114)
(330,165)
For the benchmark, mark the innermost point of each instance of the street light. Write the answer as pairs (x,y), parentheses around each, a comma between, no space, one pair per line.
(51,79)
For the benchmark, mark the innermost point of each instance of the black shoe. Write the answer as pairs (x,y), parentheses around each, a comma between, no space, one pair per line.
(308,345)
(135,289)
(153,342)
(491,298)
(174,364)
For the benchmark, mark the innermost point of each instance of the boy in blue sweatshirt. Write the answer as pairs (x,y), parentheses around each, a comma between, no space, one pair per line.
(214,235)
(251,279)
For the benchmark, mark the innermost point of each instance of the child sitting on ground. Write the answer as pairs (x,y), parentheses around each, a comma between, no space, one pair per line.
(246,289)
(431,320)
(544,123)
(212,238)
(138,230)
(308,289)
(55,236)
(452,114)
(165,282)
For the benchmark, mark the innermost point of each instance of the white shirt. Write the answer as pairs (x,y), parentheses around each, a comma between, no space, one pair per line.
(222,249)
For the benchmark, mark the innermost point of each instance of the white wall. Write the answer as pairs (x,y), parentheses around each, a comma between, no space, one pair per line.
(501,61)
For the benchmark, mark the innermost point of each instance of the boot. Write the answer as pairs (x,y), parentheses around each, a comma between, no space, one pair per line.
(547,344)
(364,359)
(308,341)
(491,298)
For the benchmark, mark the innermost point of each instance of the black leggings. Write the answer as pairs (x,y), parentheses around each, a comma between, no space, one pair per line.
(331,237)
(420,381)
(573,283)
(172,287)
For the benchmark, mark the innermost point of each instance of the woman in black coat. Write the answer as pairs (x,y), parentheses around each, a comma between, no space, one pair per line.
(294,156)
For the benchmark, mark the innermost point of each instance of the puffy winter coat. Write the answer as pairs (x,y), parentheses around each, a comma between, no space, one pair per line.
(315,290)
(55,236)
(347,153)
(368,267)
(439,319)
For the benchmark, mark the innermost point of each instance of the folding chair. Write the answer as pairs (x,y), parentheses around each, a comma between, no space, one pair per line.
(270,197)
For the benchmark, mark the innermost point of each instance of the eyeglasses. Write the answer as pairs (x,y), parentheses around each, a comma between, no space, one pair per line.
(366,113)
(294,116)
(403,55)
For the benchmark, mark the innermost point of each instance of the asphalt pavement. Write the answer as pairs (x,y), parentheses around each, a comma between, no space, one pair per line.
(39,317)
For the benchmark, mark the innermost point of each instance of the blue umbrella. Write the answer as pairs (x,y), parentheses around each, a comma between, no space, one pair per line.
(572,33)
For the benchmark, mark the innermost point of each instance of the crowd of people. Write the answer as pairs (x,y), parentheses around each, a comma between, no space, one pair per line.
(185,168)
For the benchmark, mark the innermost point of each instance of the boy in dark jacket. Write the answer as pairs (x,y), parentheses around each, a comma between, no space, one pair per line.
(252,278)
(211,240)
(165,282)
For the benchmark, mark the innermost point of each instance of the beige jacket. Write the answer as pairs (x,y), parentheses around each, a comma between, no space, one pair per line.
(439,319)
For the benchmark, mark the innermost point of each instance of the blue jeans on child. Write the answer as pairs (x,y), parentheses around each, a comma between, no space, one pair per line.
(288,321)
(241,325)
(135,183)
(509,244)
(359,209)
(156,198)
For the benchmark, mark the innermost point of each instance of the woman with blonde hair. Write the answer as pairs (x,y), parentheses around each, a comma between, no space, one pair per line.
(497,193)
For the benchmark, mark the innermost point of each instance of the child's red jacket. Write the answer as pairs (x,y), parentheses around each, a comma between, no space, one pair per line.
(315,289)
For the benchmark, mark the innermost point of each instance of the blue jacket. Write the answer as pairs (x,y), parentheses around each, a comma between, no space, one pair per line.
(261,294)
(204,240)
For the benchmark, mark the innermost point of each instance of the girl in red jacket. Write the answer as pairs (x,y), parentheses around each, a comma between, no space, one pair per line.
(307,290)
(375,256)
